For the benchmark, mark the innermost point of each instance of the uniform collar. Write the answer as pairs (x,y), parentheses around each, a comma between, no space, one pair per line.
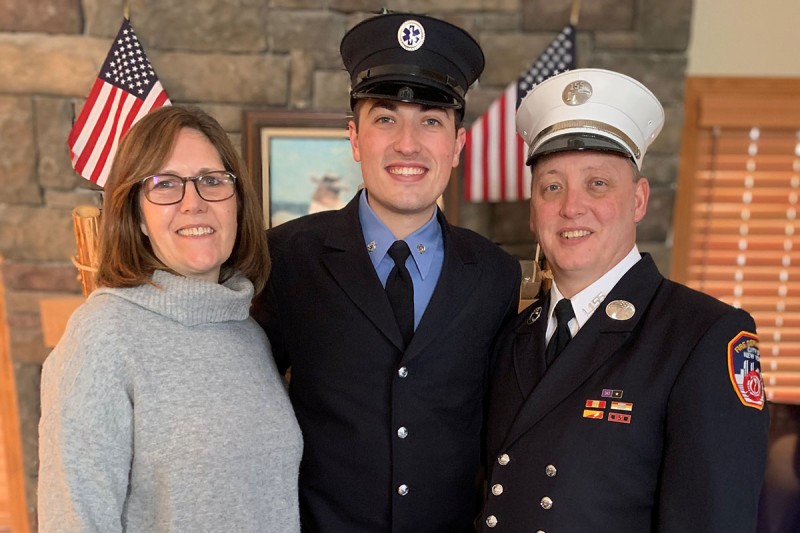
(424,242)
(585,302)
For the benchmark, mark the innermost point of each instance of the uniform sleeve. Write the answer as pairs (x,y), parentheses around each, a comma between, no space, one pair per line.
(716,435)
(266,308)
(511,294)
(85,437)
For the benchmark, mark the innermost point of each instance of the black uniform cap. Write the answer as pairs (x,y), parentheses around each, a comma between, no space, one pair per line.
(411,58)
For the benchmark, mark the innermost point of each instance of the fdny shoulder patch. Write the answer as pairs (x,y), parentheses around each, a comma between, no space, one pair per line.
(744,369)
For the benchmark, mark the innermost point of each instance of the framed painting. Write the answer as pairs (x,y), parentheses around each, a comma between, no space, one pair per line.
(301,162)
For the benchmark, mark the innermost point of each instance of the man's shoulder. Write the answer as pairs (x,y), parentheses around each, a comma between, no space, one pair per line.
(685,309)
(481,246)
(307,227)
(696,300)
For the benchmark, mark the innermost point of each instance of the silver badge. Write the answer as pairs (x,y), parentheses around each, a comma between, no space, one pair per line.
(411,35)
(534,316)
(577,93)
(371,246)
(620,310)
(421,248)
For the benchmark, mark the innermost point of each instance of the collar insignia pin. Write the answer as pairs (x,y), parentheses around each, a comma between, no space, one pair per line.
(421,248)
(371,246)
(534,316)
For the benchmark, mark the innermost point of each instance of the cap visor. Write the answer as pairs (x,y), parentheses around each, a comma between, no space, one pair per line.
(409,92)
(573,142)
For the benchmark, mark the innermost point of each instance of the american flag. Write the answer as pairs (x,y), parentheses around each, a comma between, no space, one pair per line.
(125,90)
(494,165)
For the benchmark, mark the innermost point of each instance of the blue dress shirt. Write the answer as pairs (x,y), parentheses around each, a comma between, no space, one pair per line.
(426,259)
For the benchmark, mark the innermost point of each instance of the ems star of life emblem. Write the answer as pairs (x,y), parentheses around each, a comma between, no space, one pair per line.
(411,35)
(744,369)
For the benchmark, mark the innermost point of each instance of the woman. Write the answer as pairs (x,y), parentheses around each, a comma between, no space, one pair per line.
(162,409)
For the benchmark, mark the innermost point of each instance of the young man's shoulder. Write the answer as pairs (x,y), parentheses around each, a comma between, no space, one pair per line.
(481,245)
(307,226)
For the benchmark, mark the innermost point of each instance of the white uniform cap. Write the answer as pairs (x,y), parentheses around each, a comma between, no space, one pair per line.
(589,109)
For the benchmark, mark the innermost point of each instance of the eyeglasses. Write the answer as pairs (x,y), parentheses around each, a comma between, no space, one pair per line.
(168,189)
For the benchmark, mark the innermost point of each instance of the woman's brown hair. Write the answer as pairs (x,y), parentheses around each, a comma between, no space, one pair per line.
(126,256)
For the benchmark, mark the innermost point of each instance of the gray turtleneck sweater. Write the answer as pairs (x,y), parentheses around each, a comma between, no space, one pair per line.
(162,411)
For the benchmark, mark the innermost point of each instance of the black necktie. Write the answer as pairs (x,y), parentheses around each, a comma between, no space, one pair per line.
(562,336)
(400,290)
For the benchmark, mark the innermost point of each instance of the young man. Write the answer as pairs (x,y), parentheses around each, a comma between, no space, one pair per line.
(621,401)
(391,399)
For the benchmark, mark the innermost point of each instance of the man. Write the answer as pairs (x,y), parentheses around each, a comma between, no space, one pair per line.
(391,400)
(645,411)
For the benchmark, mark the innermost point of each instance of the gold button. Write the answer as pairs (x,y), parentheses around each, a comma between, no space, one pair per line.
(491,520)
(550,470)
(504,459)
(546,503)
(497,489)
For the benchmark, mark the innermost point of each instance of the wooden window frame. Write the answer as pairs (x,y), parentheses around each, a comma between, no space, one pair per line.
(734,103)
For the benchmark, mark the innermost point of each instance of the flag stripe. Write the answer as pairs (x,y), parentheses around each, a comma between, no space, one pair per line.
(85,160)
(100,171)
(91,114)
(484,158)
(77,129)
(495,155)
(468,165)
(500,157)
(487,154)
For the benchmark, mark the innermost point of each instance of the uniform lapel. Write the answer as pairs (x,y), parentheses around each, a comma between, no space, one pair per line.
(597,341)
(528,347)
(346,258)
(459,274)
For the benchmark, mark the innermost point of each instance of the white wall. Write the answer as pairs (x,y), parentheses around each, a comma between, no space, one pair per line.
(745,38)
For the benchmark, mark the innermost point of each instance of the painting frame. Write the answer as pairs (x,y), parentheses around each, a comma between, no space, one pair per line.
(262,125)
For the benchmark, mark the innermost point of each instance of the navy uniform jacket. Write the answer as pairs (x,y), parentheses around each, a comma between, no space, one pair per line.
(679,451)
(353,388)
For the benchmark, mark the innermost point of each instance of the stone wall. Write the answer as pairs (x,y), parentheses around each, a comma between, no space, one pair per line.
(230,56)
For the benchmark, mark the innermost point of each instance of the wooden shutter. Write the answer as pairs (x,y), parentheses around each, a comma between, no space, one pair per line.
(736,230)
